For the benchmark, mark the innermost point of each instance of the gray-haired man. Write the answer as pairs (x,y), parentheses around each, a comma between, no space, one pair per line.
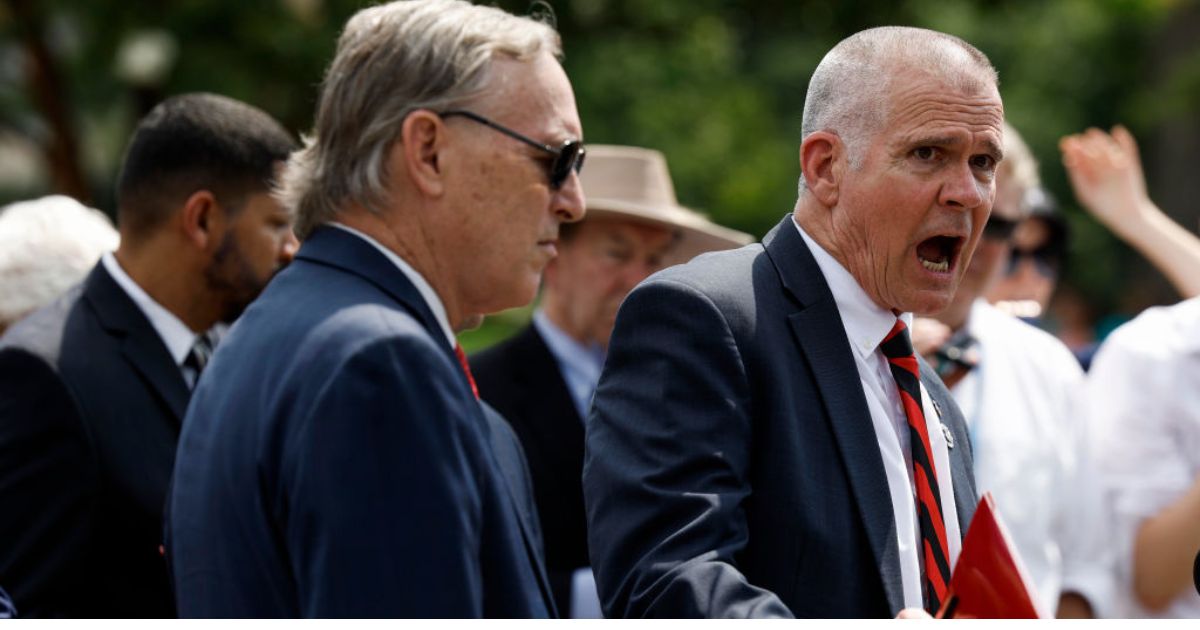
(338,462)
(757,445)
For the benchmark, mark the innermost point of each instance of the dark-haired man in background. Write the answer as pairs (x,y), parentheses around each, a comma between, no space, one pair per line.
(93,386)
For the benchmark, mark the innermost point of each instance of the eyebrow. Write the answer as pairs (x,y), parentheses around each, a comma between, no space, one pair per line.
(993,149)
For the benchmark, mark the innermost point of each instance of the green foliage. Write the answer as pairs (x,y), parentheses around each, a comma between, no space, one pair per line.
(717,85)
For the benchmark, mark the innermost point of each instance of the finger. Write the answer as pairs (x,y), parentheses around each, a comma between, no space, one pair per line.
(913,613)
(1129,145)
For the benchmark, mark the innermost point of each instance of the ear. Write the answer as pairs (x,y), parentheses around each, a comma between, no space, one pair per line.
(418,152)
(203,219)
(822,160)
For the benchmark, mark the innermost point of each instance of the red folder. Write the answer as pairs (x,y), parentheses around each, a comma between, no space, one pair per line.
(989,581)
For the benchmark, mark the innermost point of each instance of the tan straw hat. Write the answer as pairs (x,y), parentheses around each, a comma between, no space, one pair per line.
(633,183)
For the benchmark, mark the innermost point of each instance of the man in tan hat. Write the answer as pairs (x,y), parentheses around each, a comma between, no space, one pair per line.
(542,379)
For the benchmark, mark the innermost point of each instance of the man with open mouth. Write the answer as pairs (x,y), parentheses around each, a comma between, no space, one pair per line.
(763,443)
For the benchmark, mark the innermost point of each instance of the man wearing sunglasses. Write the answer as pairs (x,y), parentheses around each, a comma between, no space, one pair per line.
(339,462)
(1016,387)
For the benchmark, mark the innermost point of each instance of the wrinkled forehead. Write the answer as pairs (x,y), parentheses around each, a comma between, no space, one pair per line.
(924,101)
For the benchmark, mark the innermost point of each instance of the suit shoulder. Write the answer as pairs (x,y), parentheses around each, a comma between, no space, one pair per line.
(42,332)
(725,278)
(714,269)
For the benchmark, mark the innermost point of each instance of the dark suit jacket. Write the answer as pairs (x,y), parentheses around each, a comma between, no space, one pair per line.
(90,405)
(732,468)
(521,379)
(510,459)
(334,461)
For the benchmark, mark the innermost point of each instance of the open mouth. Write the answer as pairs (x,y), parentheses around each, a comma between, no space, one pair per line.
(939,253)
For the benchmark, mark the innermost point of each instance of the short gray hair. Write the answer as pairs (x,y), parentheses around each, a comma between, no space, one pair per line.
(391,60)
(47,245)
(848,92)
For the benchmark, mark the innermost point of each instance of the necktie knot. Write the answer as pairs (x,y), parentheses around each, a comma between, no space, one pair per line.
(201,352)
(898,343)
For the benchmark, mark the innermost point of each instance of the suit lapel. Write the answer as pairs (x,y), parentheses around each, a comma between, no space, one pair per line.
(341,249)
(140,343)
(532,551)
(817,327)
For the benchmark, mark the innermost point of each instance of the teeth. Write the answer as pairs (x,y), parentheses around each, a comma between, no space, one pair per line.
(940,267)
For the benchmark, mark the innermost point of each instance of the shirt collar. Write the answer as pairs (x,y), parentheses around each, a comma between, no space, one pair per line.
(866,323)
(587,359)
(423,287)
(174,333)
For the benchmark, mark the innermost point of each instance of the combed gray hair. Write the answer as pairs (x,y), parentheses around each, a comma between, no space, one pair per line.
(47,245)
(848,92)
(391,60)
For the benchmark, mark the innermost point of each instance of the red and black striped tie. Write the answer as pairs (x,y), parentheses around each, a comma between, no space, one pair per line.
(898,349)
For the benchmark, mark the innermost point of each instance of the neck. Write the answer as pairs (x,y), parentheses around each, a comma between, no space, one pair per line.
(848,250)
(559,314)
(165,271)
(817,221)
(408,241)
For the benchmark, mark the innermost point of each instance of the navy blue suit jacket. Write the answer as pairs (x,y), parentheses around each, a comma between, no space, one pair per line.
(334,461)
(732,468)
(90,406)
(521,379)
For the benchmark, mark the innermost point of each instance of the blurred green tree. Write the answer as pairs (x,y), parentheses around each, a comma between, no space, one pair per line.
(717,85)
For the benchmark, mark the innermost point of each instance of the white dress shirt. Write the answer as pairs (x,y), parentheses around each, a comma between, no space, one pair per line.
(423,287)
(867,324)
(1144,395)
(1032,454)
(578,364)
(175,334)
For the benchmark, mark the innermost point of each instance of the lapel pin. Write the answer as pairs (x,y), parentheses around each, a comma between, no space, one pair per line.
(949,436)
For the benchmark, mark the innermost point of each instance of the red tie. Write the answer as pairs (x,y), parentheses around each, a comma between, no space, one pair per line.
(898,349)
(466,368)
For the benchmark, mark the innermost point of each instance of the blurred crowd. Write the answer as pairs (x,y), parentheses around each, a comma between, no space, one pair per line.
(247,399)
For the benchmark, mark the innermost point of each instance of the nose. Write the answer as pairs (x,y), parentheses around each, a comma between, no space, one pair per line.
(568,202)
(963,189)
(287,250)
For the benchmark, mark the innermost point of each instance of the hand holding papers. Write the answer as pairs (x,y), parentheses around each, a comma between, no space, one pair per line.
(989,581)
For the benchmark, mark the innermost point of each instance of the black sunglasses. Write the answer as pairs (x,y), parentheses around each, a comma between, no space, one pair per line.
(1047,260)
(569,157)
(998,229)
